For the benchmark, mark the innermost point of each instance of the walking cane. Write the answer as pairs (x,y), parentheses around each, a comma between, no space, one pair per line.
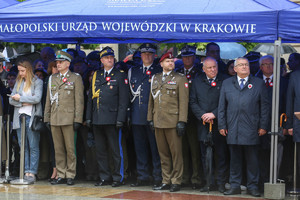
(21,180)
(295,190)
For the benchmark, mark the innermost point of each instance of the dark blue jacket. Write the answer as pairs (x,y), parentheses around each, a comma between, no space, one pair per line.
(113,99)
(293,105)
(139,107)
(243,111)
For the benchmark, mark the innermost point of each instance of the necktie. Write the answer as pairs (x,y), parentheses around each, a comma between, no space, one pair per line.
(145,70)
(210,80)
(106,74)
(242,83)
(267,82)
(164,77)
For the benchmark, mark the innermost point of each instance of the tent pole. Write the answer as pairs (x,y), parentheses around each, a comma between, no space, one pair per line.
(78,46)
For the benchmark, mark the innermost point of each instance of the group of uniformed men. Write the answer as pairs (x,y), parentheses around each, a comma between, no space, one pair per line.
(170,112)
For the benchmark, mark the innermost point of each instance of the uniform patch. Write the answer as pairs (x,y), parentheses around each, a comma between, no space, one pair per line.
(126,81)
(250,86)
(172,82)
(70,83)
(186,85)
(213,84)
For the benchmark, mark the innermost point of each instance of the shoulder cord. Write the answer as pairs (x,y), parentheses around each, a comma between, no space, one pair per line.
(136,93)
(55,97)
(95,93)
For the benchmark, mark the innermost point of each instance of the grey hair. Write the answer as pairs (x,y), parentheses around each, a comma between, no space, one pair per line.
(209,58)
(240,58)
(265,58)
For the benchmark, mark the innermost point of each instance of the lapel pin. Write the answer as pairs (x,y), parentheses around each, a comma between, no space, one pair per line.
(250,86)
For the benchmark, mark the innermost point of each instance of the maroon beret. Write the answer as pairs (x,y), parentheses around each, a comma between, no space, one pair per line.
(166,55)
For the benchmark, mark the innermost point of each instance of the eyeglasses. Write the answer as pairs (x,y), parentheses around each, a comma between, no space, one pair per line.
(242,64)
(267,64)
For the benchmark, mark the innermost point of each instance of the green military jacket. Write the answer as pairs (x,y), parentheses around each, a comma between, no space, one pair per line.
(65,102)
(168,100)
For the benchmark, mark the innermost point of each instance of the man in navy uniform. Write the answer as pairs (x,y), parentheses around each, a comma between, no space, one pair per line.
(243,117)
(204,100)
(108,100)
(144,139)
(190,145)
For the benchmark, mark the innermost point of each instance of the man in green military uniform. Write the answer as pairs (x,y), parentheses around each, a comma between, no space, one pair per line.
(167,113)
(64,112)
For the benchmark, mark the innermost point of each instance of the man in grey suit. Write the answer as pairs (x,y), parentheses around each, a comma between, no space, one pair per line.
(243,117)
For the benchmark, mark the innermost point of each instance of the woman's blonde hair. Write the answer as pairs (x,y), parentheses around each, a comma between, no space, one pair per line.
(29,74)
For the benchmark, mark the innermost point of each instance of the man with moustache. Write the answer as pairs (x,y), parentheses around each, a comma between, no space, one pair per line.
(144,139)
(64,112)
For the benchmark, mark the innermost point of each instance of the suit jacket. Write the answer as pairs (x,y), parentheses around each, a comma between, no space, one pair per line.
(35,99)
(70,100)
(243,111)
(266,139)
(204,98)
(171,105)
(139,107)
(293,105)
(113,98)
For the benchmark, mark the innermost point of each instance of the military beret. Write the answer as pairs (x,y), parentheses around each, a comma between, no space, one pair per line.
(253,56)
(61,55)
(188,51)
(148,47)
(107,51)
(166,55)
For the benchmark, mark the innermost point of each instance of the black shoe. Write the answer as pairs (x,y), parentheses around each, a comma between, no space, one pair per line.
(102,183)
(221,188)
(58,181)
(254,193)
(162,186)
(117,184)
(233,191)
(70,181)
(139,183)
(195,186)
(156,183)
(175,188)
(208,188)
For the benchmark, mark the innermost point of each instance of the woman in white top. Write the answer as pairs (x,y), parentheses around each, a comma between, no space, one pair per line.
(26,98)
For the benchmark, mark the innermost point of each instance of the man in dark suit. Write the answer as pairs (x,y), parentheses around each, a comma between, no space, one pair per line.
(106,109)
(243,117)
(204,100)
(266,68)
(293,103)
(190,146)
(144,139)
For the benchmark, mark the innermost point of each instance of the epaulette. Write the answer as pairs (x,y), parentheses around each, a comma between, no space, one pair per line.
(121,71)
(76,73)
(181,74)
